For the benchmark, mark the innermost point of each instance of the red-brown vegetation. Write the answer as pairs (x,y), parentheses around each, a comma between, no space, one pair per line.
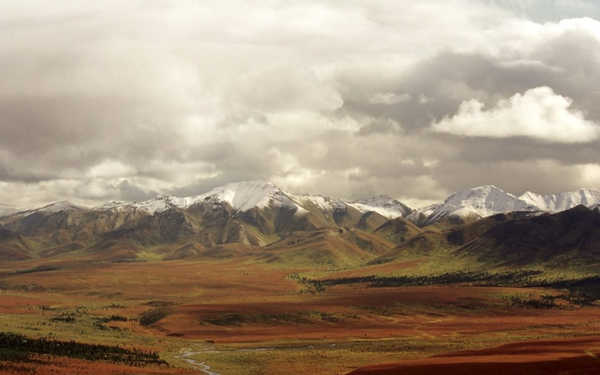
(569,356)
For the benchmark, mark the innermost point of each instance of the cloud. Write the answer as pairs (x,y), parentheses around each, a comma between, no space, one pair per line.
(110,168)
(389,98)
(551,10)
(538,113)
(125,100)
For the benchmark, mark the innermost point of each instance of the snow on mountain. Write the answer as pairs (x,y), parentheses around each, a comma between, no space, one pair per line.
(428,210)
(245,195)
(322,202)
(112,205)
(158,204)
(52,208)
(151,206)
(419,216)
(489,200)
(562,201)
(383,205)
(241,196)
(479,201)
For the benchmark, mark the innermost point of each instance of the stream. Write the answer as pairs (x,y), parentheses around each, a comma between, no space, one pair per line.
(198,365)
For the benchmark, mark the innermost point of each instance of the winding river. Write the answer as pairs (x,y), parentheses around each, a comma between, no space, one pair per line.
(197,365)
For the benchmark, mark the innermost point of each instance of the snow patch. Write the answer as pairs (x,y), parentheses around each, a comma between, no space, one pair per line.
(246,195)
(52,208)
(322,202)
(241,196)
(562,201)
(479,201)
(383,205)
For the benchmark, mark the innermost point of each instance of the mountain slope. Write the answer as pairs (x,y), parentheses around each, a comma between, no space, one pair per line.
(562,201)
(397,230)
(488,200)
(252,214)
(474,203)
(567,237)
(13,246)
(241,196)
(383,205)
(326,247)
(256,216)
(440,239)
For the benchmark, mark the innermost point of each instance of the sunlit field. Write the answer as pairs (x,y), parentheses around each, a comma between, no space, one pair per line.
(244,316)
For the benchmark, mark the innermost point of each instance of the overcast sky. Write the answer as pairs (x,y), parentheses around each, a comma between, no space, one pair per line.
(123,100)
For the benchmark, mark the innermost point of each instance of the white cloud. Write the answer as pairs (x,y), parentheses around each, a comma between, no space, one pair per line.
(167,95)
(389,98)
(538,113)
(110,168)
(590,174)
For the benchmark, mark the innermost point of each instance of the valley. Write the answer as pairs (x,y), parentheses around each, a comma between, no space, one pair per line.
(282,284)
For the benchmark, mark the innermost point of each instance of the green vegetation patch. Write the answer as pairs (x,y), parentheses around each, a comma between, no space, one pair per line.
(14,347)
(521,278)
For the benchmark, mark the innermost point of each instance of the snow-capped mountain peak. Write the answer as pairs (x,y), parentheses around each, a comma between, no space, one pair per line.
(480,201)
(320,201)
(52,208)
(562,201)
(383,205)
(245,195)
(241,196)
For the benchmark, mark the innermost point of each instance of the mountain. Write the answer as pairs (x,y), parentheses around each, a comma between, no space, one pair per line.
(567,237)
(419,216)
(473,204)
(326,247)
(51,208)
(257,217)
(512,239)
(13,246)
(244,215)
(240,196)
(383,205)
(562,201)
(397,230)
(483,201)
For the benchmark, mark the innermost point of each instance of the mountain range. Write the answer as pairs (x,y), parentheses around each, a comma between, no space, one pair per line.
(257,216)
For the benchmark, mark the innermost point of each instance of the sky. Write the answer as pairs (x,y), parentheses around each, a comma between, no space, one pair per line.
(124,100)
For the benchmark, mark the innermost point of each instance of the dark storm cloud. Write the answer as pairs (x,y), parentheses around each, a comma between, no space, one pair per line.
(126,101)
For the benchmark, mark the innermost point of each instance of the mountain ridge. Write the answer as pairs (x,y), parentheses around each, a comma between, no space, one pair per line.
(468,204)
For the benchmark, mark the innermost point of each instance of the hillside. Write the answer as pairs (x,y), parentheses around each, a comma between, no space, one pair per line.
(483,201)
(243,216)
(569,236)
(484,223)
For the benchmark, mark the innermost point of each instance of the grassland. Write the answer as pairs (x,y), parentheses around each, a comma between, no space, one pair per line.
(246,315)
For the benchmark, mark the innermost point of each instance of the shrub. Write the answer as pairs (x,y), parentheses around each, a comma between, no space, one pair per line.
(152,316)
